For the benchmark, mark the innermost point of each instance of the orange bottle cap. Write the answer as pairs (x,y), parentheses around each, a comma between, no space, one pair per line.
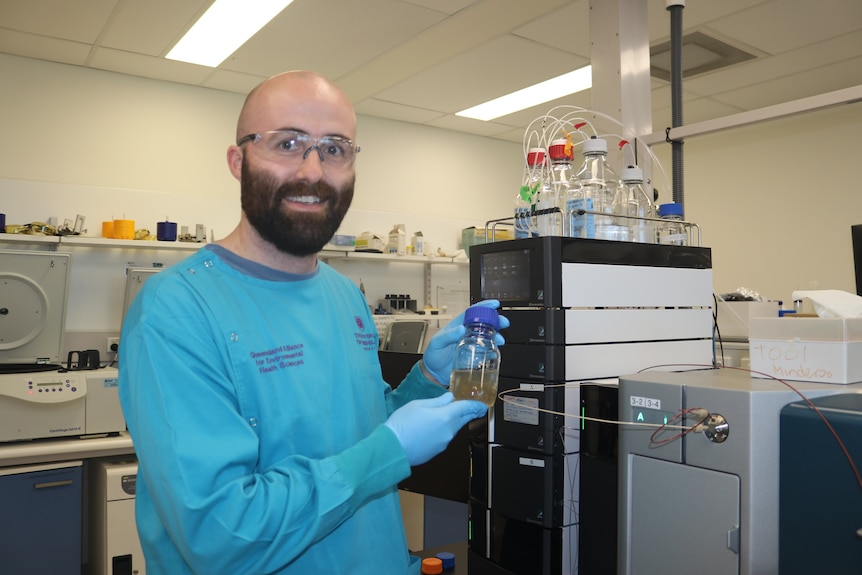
(432,566)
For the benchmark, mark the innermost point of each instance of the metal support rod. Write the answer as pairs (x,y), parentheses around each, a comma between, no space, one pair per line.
(841,97)
(678,177)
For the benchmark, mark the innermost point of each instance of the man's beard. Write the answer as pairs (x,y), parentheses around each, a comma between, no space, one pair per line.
(298,234)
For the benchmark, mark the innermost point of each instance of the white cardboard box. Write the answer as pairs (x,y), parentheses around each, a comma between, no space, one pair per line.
(822,350)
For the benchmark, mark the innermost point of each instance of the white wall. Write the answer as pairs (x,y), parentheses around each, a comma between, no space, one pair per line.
(124,142)
(106,145)
(776,201)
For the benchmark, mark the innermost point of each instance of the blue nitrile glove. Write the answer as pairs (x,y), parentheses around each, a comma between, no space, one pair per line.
(424,427)
(440,353)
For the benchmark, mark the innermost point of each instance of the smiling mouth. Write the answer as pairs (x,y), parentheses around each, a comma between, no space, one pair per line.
(307,200)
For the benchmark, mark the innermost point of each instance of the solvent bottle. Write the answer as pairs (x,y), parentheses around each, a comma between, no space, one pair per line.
(476,369)
(592,189)
(672,230)
(553,196)
(525,201)
(632,201)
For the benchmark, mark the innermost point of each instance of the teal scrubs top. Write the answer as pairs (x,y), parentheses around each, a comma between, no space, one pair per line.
(256,405)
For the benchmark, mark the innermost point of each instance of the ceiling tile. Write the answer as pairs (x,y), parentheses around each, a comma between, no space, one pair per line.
(382,109)
(775,67)
(694,15)
(516,136)
(354,33)
(567,29)
(483,73)
(151,27)
(41,48)
(811,83)
(445,6)
(452,122)
(422,60)
(79,21)
(465,30)
(694,110)
(148,66)
(769,26)
(232,81)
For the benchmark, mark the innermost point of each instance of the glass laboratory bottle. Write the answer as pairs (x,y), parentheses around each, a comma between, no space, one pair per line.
(525,201)
(551,196)
(476,368)
(633,202)
(671,230)
(592,189)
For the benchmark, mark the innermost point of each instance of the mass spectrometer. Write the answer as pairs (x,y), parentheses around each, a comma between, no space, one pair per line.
(699,470)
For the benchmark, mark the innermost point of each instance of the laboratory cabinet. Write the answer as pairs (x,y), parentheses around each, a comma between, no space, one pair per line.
(40,518)
(45,517)
(115,548)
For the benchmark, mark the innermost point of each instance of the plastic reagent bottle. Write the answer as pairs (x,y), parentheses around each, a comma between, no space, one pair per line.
(476,369)
(631,200)
(525,201)
(592,189)
(672,230)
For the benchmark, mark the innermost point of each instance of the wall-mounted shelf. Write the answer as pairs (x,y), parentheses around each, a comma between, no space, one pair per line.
(96,242)
(329,253)
(99,242)
(28,239)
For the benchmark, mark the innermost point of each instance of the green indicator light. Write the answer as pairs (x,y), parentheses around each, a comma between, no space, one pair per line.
(583,415)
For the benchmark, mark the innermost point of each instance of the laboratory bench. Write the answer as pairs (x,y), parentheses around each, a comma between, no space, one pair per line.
(66,449)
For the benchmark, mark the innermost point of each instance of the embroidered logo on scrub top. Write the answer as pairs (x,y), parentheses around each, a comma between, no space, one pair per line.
(368,341)
(281,357)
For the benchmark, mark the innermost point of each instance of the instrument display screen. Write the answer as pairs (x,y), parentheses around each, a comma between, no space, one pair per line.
(506,275)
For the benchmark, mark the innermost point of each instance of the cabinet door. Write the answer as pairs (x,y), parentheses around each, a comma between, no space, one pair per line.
(683,515)
(40,521)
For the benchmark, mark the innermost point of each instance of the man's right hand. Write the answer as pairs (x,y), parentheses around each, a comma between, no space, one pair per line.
(424,427)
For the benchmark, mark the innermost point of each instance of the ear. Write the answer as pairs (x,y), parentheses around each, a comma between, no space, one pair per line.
(234,161)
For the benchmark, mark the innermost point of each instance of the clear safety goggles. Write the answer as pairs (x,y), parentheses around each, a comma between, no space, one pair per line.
(293,147)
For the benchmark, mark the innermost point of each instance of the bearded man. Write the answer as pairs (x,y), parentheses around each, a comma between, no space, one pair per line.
(267,439)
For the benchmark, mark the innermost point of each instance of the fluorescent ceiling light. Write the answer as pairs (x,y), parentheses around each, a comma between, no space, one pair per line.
(223,28)
(530,96)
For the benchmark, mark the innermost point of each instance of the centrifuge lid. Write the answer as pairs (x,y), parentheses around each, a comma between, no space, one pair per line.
(33,296)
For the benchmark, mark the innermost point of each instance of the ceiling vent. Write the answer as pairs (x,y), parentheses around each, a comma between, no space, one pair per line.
(700,53)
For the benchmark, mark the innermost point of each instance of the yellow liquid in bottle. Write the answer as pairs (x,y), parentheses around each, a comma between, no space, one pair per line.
(480,385)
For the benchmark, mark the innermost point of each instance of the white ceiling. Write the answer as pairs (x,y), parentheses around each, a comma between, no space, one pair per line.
(421,61)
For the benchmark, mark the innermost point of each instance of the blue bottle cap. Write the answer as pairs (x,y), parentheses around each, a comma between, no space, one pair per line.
(482,314)
(447,558)
(672,209)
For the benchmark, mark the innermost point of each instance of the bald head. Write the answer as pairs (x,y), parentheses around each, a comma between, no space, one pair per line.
(300,100)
